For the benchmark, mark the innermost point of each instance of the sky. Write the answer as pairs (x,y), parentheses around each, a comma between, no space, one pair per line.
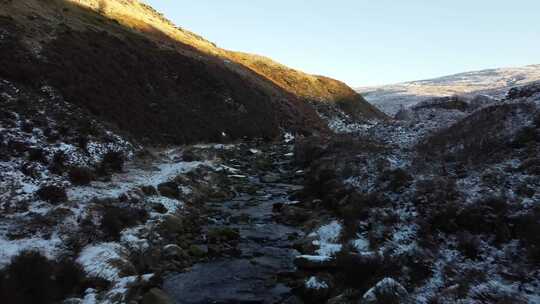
(370,42)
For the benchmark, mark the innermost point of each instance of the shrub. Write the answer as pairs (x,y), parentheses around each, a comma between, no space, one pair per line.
(37,155)
(115,219)
(397,179)
(432,193)
(113,161)
(531,166)
(81,176)
(419,265)
(469,245)
(308,150)
(483,216)
(29,279)
(32,278)
(69,277)
(526,227)
(524,137)
(58,163)
(52,194)
(358,271)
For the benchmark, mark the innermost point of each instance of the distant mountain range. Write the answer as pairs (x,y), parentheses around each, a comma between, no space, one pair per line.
(491,82)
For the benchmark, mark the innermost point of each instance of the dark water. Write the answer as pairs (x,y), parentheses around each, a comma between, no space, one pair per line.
(252,277)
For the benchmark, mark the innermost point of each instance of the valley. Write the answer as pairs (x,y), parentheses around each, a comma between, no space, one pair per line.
(141,163)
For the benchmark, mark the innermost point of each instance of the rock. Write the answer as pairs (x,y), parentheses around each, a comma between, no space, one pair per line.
(223,249)
(387,291)
(305,244)
(198,251)
(190,156)
(313,262)
(240,219)
(316,289)
(173,251)
(293,300)
(159,208)
(263,164)
(172,224)
(270,178)
(216,235)
(149,190)
(294,215)
(156,296)
(169,189)
(348,297)
(277,207)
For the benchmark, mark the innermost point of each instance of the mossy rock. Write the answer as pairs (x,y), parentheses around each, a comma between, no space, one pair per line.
(156,296)
(172,224)
(197,251)
(223,234)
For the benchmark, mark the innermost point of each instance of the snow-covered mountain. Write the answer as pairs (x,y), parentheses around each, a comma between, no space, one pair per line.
(492,82)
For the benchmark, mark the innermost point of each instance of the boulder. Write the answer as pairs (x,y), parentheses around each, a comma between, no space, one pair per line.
(198,251)
(172,225)
(173,251)
(270,178)
(169,189)
(222,234)
(386,291)
(314,262)
(156,296)
(149,190)
(316,289)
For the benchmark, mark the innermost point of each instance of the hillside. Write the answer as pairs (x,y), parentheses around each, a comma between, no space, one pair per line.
(130,66)
(143,18)
(492,82)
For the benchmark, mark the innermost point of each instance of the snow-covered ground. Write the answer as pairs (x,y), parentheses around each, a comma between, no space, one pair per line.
(447,225)
(492,82)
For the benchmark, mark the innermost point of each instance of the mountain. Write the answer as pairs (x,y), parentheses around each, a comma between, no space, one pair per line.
(492,82)
(129,66)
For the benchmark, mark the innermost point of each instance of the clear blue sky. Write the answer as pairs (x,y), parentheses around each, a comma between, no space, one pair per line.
(368,42)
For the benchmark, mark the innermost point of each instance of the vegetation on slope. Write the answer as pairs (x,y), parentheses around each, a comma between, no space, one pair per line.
(289,88)
(157,93)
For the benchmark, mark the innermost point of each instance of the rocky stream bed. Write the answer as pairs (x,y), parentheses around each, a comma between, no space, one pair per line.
(252,251)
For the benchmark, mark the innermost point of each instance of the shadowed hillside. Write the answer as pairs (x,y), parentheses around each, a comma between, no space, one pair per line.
(130,66)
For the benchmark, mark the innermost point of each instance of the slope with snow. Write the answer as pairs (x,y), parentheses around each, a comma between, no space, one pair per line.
(492,82)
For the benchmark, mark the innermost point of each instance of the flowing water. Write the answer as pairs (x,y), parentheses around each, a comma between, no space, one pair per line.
(266,254)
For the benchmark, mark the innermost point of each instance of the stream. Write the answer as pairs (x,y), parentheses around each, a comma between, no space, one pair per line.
(265,253)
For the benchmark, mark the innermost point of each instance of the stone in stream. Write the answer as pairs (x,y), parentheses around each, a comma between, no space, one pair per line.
(222,234)
(173,251)
(316,289)
(169,189)
(313,262)
(198,251)
(270,178)
(386,291)
(248,251)
(172,225)
(149,190)
(156,296)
